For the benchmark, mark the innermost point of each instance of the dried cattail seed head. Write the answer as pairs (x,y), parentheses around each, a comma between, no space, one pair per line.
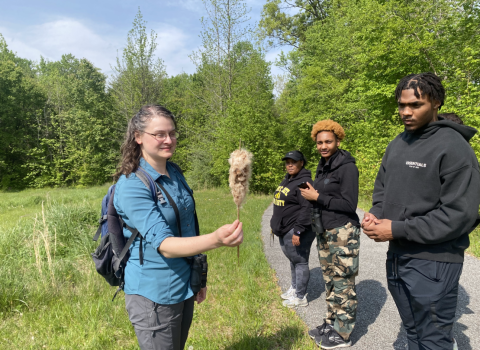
(239,175)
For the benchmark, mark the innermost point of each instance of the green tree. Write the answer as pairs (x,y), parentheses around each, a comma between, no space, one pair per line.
(182,98)
(21,103)
(78,134)
(234,88)
(225,27)
(138,77)
(250,117)
(285,22)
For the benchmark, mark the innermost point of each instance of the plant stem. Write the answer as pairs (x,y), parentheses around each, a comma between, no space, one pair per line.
(238,212)
(238,247)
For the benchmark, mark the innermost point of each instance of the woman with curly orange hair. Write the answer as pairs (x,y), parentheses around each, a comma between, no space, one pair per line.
(335,195)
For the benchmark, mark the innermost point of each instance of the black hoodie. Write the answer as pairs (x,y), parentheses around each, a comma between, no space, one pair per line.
(290,209)
(336,181)
(429,186)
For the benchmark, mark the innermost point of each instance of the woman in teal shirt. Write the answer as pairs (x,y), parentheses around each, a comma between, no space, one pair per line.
(158,296)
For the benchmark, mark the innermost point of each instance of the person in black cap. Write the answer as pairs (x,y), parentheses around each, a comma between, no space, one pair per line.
(291,222)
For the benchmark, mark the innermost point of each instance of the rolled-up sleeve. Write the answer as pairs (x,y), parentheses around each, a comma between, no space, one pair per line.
(135,204)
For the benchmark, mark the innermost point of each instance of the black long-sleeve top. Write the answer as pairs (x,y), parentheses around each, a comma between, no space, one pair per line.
(336,181)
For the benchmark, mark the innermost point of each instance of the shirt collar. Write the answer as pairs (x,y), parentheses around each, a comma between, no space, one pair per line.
(152,172)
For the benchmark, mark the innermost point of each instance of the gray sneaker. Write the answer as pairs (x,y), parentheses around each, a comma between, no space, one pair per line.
(320,330)
(288,294)
(295,302)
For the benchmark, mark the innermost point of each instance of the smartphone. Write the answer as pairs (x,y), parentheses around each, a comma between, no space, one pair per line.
(303,185)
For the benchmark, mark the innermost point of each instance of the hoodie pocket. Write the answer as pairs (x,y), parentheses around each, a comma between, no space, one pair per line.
(393,211)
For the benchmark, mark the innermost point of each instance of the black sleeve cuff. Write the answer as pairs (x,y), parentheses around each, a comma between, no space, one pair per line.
(323,200)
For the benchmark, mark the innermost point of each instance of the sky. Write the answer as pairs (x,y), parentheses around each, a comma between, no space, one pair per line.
(97,30)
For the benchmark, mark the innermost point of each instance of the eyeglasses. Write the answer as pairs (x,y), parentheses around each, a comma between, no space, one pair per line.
(161,136)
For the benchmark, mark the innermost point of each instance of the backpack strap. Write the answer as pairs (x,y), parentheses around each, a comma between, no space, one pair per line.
(150,184)
(197,226)
(182,178)
(172,203)
(99,230)
(177,214)
(103,214)
(174,206)
(159,196)
(134,235)
(115,226)
(147,181)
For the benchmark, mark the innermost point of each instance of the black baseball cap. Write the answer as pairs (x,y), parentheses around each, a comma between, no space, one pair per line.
(295,155)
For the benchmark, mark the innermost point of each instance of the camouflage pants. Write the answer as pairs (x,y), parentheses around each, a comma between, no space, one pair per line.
(338,254)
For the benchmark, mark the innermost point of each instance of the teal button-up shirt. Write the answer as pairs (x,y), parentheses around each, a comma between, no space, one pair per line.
(162,280)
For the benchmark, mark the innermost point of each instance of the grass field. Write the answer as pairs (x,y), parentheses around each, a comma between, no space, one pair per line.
(52,298)
(365,203)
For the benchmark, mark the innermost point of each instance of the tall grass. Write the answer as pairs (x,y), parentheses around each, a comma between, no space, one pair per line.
(42,239)
(52,298)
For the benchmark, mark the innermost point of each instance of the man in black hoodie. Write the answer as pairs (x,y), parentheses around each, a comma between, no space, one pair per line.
(425,203)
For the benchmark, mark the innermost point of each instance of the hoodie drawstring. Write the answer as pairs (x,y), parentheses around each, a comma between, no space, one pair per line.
(395,266)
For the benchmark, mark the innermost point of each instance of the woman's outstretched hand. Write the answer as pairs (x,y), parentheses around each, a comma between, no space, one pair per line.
(310,194)
(230,235)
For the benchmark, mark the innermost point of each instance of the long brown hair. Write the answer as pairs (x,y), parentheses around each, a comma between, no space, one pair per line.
(131,151)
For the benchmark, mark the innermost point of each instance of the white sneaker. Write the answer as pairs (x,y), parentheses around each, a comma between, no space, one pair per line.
(288,294)
(295,302)
(455,346)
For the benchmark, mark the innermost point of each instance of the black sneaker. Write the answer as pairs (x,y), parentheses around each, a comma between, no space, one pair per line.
(332,340)
(319,330)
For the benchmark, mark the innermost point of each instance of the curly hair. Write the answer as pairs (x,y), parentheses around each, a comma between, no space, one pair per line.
(131,151)
(328,125)
(427,83)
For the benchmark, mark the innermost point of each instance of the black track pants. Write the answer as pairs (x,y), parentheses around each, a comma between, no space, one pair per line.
(298,257)
(426,293)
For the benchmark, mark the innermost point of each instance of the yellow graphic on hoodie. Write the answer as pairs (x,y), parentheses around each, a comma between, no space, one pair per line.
(276,197)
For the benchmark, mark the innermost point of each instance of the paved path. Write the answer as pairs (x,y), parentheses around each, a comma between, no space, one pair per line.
(378,323)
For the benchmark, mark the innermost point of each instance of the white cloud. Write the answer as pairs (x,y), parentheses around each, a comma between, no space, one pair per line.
(53,39)
(67,35)
(173,48)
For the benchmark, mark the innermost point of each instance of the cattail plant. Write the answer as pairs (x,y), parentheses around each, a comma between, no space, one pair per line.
(240,172)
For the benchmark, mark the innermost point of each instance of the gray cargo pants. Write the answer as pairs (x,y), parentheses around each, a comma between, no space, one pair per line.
(159,327)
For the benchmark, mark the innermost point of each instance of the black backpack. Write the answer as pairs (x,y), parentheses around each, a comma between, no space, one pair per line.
(112,254)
